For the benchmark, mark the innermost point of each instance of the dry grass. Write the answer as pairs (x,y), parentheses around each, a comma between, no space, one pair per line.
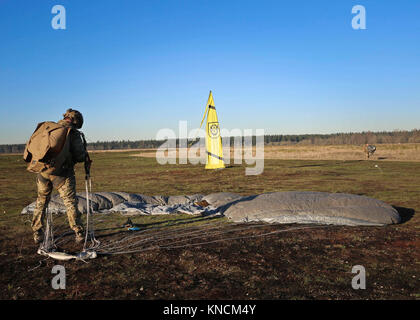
(390,152)
(121,150)
(387,152)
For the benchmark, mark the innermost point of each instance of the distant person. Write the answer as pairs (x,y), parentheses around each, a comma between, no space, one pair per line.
(369,150)
(53,159)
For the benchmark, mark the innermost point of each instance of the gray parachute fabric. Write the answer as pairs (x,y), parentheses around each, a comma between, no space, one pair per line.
(130,204)
(221,199)
(311,207)
(276,207)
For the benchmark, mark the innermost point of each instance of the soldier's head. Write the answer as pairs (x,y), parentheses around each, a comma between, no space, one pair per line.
(74,117)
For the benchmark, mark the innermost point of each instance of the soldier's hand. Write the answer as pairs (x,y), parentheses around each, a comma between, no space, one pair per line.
(88,162)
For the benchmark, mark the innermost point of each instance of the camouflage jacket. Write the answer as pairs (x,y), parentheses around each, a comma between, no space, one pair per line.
(78,153)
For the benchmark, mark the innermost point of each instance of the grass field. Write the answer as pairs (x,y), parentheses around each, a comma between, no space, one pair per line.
(385,152)
(301,264)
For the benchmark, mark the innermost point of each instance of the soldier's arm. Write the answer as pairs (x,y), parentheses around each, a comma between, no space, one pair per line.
(77,147)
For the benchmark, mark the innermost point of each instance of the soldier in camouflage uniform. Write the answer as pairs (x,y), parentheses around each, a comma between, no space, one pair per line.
(64,181)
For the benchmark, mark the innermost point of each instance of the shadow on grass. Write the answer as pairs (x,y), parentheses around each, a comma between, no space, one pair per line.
(311,165)
(405,213)
(328,164)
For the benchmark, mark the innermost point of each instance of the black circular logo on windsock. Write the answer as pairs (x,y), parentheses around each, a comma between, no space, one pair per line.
(214,131)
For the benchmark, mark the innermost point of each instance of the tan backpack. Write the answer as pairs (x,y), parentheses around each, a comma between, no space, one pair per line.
(48,148)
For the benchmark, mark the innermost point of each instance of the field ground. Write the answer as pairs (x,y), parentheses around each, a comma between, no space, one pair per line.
(384,152)
(299,264)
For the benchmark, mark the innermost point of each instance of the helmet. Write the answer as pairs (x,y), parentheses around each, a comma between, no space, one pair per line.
(75,116)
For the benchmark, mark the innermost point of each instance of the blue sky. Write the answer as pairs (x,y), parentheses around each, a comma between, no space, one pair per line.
(134,67)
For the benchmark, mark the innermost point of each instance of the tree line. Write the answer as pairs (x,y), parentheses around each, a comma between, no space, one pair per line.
(352,138)
(357,138)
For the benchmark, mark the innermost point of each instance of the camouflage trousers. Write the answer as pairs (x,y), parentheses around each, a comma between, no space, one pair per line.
(67,191)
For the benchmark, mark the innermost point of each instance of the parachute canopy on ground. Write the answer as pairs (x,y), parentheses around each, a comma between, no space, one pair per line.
(311,207)
(276,207)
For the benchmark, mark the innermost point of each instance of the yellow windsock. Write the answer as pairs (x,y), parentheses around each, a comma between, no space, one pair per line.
(213,140)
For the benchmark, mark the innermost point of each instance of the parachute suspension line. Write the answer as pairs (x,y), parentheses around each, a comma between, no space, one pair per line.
(48,243)
(149,236)
(45,243)
(95,243)
(87,214)
(90,232)
(146,240)
(91,226)
(182,244)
